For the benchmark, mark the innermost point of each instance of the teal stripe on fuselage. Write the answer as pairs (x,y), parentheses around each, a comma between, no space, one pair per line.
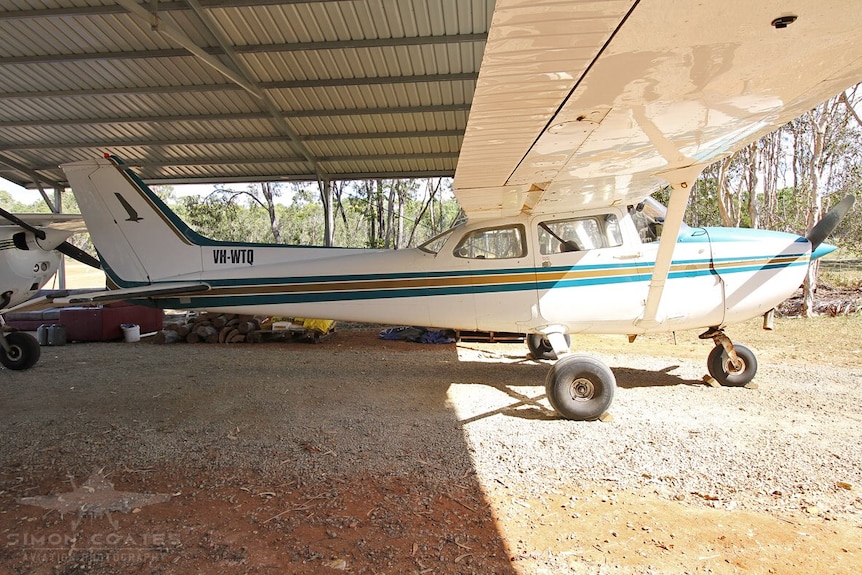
(527,283)
(335,296)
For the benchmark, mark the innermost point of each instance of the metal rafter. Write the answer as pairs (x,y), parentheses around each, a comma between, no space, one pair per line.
(274,139)
(275,85)
(253,49)
(240,161)
(163,7)
(247,116)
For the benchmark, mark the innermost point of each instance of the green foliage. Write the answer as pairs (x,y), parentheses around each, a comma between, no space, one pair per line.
(778,181)
(302,220)
(216,218)
(360,209)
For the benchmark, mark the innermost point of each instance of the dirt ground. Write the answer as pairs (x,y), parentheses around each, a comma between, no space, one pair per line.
(352,456)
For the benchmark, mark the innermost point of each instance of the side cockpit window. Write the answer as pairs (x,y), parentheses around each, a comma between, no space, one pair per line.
(579,234)
(493,243)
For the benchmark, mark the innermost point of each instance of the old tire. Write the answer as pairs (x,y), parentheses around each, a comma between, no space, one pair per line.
(24,351)
(580,387)
(719,366)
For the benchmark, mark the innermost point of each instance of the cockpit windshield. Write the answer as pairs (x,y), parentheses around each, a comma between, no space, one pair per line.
(648,217)
(435,244)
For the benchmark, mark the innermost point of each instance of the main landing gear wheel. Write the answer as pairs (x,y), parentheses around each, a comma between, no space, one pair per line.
(541,348)
(722,369)
(23,351)
(580,387)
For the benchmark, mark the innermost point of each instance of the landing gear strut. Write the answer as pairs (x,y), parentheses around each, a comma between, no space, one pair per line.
(730,365)
(541,348)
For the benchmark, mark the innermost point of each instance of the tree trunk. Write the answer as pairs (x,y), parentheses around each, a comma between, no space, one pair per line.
(326,200)
(399,215)
(820,125)
(269,194)
(390,208)
(725,202)
(433,188)
(752,182)
(379,214)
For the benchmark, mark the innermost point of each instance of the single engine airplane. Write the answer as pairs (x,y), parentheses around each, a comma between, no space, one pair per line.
(31,248)
(581,111)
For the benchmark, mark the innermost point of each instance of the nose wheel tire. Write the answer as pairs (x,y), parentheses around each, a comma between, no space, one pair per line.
(722,369)
(540,347)
(23,352)
(580,387)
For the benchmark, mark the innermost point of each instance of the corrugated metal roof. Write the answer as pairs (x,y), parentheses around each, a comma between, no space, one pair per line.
(334,89)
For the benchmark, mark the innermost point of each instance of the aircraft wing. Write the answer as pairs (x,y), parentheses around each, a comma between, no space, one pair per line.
(154,291)
(584,104)
(72,223)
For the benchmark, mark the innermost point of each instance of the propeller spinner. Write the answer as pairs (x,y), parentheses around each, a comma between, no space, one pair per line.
(64,247)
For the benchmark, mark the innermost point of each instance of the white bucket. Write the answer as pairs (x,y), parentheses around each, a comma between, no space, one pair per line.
(131,332)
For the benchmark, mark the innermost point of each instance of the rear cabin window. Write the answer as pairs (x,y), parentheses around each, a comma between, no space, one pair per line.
(493,244)
(579,234)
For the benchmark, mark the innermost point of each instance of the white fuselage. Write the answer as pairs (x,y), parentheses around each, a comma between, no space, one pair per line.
(718,276)
(582,271)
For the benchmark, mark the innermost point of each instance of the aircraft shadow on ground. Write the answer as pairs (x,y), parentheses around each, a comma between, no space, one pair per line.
(507,377)
(188,421)
(354,462)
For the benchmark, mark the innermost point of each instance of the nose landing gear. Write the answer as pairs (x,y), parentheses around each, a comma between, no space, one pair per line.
(730,365)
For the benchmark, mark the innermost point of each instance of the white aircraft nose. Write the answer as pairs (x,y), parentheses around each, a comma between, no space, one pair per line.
(822,250)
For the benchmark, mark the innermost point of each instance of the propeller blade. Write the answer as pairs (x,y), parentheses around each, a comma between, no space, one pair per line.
(829,222)
(77,253)
(65,248)
(21,223)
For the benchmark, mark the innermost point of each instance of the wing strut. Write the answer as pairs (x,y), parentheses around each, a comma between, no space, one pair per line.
(681,181)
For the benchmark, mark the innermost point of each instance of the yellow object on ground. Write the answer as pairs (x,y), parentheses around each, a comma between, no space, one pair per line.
(319,325)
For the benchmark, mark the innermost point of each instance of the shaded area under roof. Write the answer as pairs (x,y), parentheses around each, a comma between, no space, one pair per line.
(218,91)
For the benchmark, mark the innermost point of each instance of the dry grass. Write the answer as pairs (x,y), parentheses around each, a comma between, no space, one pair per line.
(794,340)
(79,276)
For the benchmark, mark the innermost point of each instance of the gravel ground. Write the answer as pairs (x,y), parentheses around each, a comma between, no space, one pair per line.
(471,420)
(787,444)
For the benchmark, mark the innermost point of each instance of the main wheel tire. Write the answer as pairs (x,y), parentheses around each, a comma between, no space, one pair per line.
(24,351)
(720,367)
(540,347)
(580,387)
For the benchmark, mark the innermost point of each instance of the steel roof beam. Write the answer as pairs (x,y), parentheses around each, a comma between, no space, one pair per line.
(281,124)
(231,141)
(31,173)
(168,163)
(255,49)
(279,85)
(163,7)
(176,34)
(248,116)
(342,177)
